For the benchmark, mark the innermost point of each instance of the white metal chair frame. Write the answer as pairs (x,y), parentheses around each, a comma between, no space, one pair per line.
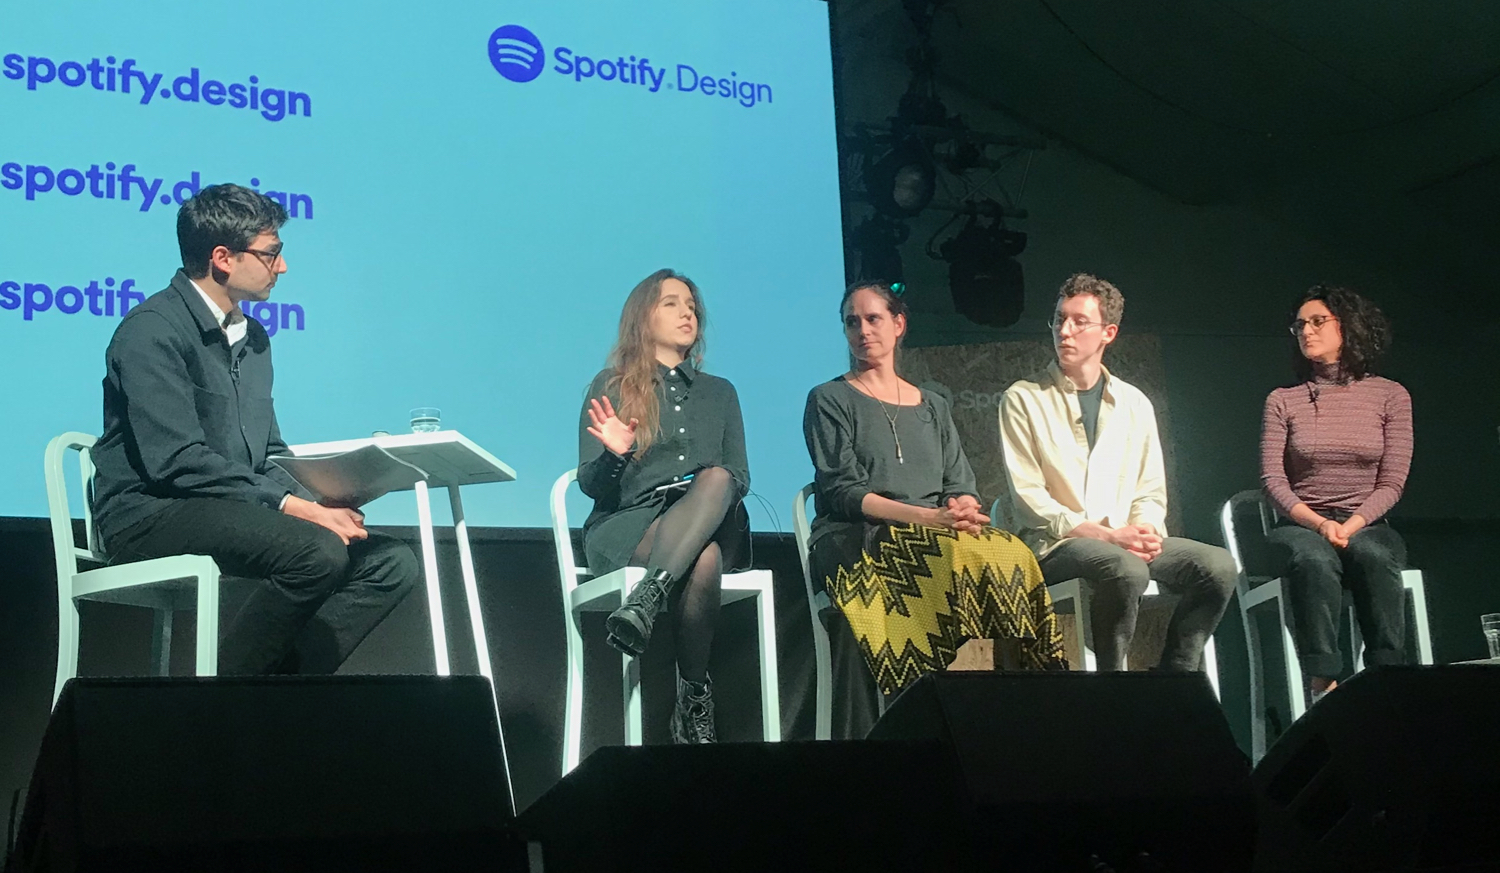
(1270,590)
(163,585)
(817,601)
(605,594)
(1074,592)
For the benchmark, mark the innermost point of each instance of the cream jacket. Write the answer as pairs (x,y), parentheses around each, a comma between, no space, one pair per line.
(1057,482)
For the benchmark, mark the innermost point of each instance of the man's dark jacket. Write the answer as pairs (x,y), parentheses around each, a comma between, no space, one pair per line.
(184,414)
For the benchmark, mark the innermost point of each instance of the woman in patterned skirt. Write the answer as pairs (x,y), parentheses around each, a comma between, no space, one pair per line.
(900,541)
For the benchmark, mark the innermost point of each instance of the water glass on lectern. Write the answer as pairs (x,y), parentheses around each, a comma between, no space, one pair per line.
(426,419)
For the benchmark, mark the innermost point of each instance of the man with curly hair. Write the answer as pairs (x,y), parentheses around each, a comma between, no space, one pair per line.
(1088,488)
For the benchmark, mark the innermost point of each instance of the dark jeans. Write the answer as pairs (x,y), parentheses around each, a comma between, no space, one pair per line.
(318,598)
(1316,574)
(1203,575)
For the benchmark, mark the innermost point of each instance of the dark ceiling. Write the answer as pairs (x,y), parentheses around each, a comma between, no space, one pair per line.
(1386,114)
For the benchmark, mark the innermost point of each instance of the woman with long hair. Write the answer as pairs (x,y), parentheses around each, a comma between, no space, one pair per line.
(900,541)
(1335,451)
(662,452)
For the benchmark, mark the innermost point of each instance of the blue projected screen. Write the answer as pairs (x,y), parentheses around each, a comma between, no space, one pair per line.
(474,190)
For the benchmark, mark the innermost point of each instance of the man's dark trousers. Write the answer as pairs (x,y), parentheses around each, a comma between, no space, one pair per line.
(1203,575)
(317,599)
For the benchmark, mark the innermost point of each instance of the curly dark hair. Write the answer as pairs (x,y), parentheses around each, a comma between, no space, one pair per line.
(1111,301)
(1366,332)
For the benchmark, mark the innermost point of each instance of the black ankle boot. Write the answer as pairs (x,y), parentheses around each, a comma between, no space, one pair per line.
(630,626)
(693,719)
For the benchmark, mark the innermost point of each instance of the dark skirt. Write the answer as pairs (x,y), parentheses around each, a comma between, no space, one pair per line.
(610,541)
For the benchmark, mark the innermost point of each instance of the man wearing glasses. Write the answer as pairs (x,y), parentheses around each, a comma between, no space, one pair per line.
(1088,491)
(181,467)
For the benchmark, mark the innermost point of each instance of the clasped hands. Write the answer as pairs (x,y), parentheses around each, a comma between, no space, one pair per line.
(1141,540)
(348,524)
(962,513)
(1338,533)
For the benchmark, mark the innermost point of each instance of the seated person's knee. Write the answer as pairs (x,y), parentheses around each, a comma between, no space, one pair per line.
(713,477)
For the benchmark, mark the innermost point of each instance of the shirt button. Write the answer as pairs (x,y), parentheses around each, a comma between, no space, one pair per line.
(682,430)
(682,457)
(674,373)
(677,409)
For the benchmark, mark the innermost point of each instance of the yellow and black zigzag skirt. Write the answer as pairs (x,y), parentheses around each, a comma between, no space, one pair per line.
(916,593)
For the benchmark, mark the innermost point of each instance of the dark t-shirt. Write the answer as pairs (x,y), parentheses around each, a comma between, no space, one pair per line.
(1088,402)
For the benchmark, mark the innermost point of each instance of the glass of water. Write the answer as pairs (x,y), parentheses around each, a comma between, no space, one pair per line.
(426,419)
(1491,625)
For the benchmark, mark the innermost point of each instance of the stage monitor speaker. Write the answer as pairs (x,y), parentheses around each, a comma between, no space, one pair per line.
(368,773)
(1396,769)
(1090,771)
(754,807)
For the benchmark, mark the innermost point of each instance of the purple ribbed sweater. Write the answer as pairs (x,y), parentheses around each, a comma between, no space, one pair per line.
(1336,447)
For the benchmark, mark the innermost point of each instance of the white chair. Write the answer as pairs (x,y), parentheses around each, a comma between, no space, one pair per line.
(605,594)
(163,585)
(1072,596)
(817,601)
(1073,592)
(1257,590)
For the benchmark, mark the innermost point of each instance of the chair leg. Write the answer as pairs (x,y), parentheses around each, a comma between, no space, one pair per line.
(632,677)
(67,644)
(1413,582)
(1211,664)
(823,702)
(1295,686)
(161,640)
(1356,639)
(573,709)
(770,685)
(1083,616)
(1257,685)
(208,625)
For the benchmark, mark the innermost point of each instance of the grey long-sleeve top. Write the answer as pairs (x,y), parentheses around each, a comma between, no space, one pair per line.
(854,453)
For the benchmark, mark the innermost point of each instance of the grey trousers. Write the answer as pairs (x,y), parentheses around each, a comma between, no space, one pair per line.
(1202,575)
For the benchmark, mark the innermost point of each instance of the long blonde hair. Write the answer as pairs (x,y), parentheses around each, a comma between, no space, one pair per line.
(634,356)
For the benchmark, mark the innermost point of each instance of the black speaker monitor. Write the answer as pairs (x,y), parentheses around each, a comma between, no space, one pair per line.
(1123,771)
(1396,769)
(285,773)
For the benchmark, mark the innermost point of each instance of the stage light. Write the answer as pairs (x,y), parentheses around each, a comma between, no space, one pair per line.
(984,276)
(877,241)
(903,181)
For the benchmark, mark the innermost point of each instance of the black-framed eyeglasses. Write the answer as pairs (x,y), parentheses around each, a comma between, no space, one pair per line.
(1077,324)
(1317,322)
(268,258)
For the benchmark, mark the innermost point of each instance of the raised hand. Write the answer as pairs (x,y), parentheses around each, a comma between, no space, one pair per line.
(608,429)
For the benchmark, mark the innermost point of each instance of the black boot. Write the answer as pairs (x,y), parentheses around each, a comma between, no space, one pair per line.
(630,626)
(693,719)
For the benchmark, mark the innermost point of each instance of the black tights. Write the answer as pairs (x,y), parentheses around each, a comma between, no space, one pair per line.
(685,541)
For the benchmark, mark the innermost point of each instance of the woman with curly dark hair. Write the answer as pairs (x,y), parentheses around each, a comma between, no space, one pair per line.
(1335,450)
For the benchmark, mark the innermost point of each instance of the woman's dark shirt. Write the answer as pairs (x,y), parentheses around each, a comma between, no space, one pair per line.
(853,454)
(701,426)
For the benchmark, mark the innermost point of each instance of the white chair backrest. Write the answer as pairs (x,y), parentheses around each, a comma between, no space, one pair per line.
(65,548)
(802,530)
(562,537)
(1228,517)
